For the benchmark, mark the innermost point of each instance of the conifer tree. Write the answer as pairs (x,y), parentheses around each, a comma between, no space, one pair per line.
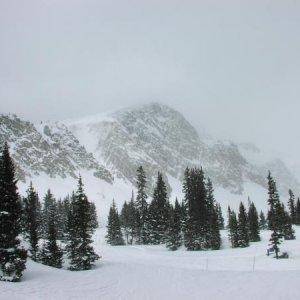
(212,226)
(33,221)
(297,221)
(292,206)
(243,229)
(220,217)
(253,223)
(114,235)
(51,254)
(12,255)
(79,249)
(157,222)
(174,240)
(233,228)
(94,217)
(262,221)
(49,211)
(141,205)
(288,231)
(275,241)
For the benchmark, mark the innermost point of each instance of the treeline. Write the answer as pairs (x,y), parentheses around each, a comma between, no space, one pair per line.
(56,231)
(195,222)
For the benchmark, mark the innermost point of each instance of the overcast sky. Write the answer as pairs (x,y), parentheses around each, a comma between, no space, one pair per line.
(230,66)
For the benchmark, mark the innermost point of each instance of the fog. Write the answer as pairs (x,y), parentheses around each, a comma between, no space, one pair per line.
(232,67)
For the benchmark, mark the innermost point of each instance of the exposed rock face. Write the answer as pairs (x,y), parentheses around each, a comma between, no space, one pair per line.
(50,149)
(161,139)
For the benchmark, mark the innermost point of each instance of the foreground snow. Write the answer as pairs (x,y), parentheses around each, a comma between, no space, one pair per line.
(152,272)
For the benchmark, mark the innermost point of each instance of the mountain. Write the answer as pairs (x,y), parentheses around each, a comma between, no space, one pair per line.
(161,139)
(49,149)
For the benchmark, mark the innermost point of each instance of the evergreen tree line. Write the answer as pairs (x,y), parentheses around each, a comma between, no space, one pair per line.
(52,230)
(57,227)
(195,223)
(245,227)
(279,219)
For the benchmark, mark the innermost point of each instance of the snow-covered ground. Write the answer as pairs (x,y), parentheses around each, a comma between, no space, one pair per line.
(152,272)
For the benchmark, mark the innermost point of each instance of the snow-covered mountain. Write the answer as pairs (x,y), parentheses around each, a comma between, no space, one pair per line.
(107,149)
(161,139)
(49,149)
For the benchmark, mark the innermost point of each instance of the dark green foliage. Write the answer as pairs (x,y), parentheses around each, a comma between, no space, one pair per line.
(32,216)
(12,255)
(114,235)
(243,229)
(220,217)
(158,213)
(49,210)
(297,221)
(129,220)
(141,206)
(275,241)
(292,206)
(288,231)
(174,238)
(94,217)
(79,249)
(263,224)
(233,228)
(51,254)
(253,223)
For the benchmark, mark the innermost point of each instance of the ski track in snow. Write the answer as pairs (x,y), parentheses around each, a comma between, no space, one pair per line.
(152,272)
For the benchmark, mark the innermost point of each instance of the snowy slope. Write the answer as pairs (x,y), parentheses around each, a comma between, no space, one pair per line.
(152,272)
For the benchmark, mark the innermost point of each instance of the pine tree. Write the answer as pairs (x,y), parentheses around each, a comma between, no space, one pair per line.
(79,249)
(233,228)
(212,226)
(297,221)
(220,217)
(33,221)
(243,229)
(51,254)
(253,223)
(158,214)
(275,241)
(262,221)
(288,231)
(292,208)
(12,255)
(195,228)
(141,205)
(174,239)
(94,217)
(114,235)
(49,210)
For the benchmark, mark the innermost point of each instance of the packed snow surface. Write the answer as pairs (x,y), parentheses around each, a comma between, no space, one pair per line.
(152,272)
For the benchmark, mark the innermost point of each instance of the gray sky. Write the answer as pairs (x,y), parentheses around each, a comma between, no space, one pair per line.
(230,66)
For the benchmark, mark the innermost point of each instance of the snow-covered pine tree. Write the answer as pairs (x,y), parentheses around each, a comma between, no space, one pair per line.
(157,219)
(33,221)
(220,217)
(49,211)
(243,228)
(274,205)
(79,247)
(114,235)
(12,255)
(174,238)
(233,228)
(253,223)
(94,217)
(125,221)
(263,224)
(212,226)
(292,206)
(195,227)
(275,241)
(288,231)
(297,222)
(141,206)
(51,253)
